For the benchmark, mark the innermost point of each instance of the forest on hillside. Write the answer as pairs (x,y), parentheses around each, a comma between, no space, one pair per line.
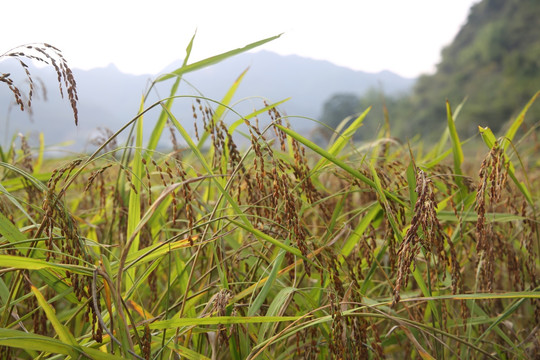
(492,67)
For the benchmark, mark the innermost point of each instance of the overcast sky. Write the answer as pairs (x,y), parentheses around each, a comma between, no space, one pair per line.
(142,37)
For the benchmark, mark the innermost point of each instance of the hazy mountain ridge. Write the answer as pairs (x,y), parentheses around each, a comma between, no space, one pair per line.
(110,98)
(307,82)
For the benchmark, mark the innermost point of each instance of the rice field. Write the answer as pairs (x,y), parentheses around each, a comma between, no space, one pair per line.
(269,248)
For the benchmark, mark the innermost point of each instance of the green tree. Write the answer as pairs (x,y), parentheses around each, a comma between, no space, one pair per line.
(494,62)
(383,109)
(335,110)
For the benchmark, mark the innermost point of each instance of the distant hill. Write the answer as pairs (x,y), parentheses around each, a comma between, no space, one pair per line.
(494,62)
(110,98)
(307,82)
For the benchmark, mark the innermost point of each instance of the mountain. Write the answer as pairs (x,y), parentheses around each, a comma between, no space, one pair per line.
(110,98)
(493,62)
(307,82)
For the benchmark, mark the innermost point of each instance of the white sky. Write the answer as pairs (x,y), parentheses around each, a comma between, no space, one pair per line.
(141,37)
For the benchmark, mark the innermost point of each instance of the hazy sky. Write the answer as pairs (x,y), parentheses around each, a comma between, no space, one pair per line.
(145,36)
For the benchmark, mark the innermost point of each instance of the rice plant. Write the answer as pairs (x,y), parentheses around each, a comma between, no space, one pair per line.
(271,248)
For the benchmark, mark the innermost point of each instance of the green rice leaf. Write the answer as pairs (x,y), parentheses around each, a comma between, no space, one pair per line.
(223,106)
(489,140)
(338,162)
(28,177)
(162,120)
(343,139)
(265,109)
(357,233)
(134,207)
(215,59)
(21,262)
(279,301)
(39,160)
(63,333)
(263,236)
(509,136)
(494,324)
(28,341)
(456,150)
(10,231)
(186,353)
(216,320)
(438,150)
(261,297)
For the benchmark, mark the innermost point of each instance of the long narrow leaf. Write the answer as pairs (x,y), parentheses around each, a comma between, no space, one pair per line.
(268,238)
(489,140)
(134,206)
(343,139)
(63,333)
(259,300)
(353,239)
(28,341)
(215,320)
(162,120)
(21,262)
(338,162)
(279,301)
(215,59)
(222,106)
(456,150)
(509,136)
